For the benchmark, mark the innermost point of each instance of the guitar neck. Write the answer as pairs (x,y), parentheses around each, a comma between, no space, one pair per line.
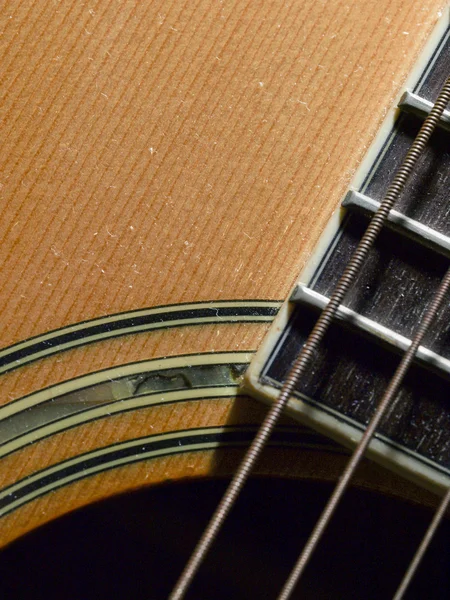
(389,297)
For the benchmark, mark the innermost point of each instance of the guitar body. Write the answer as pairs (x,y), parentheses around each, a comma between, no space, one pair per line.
(166,171)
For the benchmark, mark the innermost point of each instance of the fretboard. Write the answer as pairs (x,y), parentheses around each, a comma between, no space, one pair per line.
(378,318)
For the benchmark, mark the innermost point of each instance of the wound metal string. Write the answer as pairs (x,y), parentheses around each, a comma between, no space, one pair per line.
(385,403)
(433,527)
(310,347)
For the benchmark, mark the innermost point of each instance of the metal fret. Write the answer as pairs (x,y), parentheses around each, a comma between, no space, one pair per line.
(404,225)
(417,105)
(381,335)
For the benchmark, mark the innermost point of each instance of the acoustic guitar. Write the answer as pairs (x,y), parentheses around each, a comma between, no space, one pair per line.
(167,170)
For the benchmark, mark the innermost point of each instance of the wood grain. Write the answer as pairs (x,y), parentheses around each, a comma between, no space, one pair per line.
(163,152)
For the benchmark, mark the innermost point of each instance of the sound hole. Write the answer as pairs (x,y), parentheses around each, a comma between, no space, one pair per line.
(134,546)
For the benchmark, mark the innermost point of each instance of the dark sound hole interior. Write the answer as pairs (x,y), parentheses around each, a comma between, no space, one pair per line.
(134,547)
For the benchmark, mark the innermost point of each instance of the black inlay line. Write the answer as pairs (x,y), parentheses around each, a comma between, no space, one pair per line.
(331,246)
(54,341)
(140,449)
(279,344)
(430,64)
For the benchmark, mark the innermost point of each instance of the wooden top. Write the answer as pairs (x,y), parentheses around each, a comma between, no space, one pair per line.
(163,152)
(168,152)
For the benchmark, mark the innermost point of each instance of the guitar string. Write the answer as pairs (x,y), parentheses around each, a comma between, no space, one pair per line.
(421,550)
(311,345)
(369,432)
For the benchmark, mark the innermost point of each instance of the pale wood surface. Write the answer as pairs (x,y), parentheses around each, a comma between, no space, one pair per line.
(164,152)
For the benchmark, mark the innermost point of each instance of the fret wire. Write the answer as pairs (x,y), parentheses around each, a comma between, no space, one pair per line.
(421,550)
(312,343)
(369,432)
